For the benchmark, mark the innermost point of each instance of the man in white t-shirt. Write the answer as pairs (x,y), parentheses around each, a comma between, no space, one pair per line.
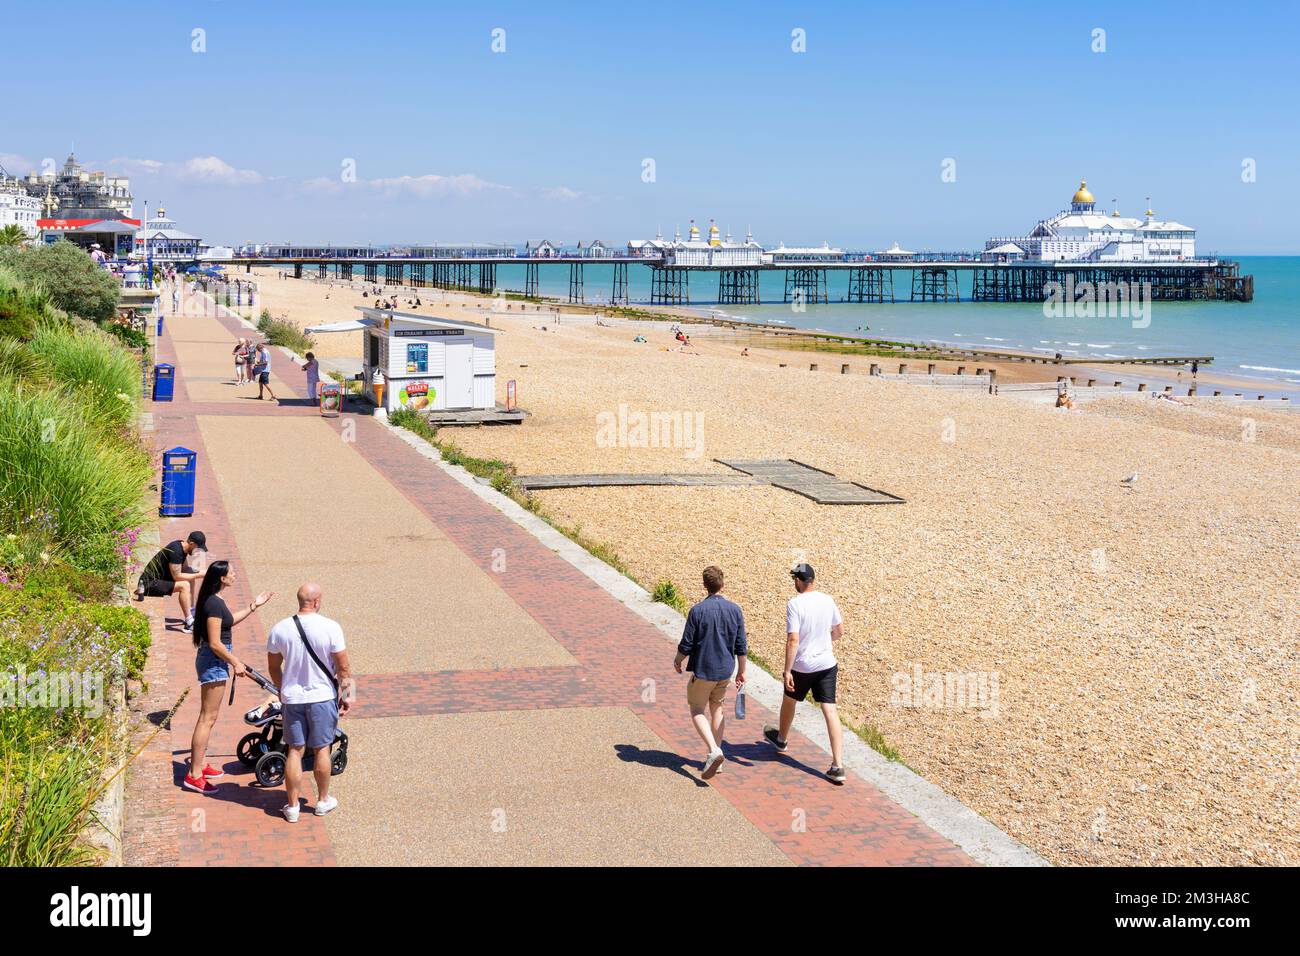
(312,697)
(812,623)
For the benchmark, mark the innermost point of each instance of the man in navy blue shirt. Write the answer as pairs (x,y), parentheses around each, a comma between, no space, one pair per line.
(713,645)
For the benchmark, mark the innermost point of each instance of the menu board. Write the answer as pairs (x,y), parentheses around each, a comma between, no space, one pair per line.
(331,399)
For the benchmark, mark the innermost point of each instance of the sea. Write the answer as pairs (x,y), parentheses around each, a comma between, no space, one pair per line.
(1256,341)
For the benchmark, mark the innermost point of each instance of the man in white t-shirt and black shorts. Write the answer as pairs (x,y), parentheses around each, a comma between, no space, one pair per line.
(812,624)
(312,697)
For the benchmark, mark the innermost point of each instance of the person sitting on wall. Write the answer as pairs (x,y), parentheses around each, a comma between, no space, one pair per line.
(173,570)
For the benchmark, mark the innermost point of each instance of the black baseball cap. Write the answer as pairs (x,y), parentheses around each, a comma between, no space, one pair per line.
(198,540)
(804,572)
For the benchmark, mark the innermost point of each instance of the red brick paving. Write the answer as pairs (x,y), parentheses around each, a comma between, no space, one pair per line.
(787,799)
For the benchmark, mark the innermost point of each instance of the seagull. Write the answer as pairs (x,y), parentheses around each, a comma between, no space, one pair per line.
(1131,481)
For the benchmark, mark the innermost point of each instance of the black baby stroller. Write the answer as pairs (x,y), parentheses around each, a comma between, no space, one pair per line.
(264,750)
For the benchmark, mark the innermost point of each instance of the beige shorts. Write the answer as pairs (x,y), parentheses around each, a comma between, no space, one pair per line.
(701,693)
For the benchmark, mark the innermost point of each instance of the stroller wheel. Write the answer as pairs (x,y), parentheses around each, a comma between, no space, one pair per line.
(270,769)
(250,749)
(339,763)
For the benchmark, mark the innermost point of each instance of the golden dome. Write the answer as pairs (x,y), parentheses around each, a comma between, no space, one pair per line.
(1150,213)
(1083,195)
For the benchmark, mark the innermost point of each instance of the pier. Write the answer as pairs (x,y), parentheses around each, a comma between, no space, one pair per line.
(945,278)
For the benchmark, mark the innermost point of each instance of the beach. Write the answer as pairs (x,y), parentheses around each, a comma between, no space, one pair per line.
(1136,648)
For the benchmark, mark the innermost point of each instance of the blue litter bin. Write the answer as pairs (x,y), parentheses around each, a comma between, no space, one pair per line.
(179,473)
(160,318)
(164,382)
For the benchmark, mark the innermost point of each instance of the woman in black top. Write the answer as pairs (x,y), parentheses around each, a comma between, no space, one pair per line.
(213,662)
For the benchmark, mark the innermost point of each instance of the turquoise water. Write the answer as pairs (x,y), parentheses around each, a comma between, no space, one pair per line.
(1255,340)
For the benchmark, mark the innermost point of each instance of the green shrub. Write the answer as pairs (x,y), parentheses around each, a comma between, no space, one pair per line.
(282,332)
(19,362)
(81,483)
(666,592)
(102,373)
(68,276)
(19,309)
(131,338)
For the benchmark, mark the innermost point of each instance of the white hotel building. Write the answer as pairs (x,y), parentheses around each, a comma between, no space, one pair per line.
(1081,234)
(17,206)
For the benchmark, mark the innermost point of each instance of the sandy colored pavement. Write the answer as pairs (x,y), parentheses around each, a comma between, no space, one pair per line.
(1145,642)
(203,350)
(307,506)
(542,788)
(478,737)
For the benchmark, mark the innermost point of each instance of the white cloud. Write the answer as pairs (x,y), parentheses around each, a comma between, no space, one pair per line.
(16,165)
(428,186)
(212,169)
(203,169)
(561,194)
(433,184)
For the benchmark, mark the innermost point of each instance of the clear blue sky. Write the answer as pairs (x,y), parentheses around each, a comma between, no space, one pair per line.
(844,142)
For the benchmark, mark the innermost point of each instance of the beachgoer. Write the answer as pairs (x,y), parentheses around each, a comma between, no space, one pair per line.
(240,351)
(214,662)
(262,369)
(308,661)
(312,368)
(812,624)
(165,574)
(712,647)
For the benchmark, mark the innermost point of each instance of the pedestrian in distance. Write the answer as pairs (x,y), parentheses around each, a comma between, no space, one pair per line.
(262,369)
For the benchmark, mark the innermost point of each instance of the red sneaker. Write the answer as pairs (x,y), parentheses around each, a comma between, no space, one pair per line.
(199,786)
(212,773)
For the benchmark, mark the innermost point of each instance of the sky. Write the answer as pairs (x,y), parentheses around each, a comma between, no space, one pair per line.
(857,124)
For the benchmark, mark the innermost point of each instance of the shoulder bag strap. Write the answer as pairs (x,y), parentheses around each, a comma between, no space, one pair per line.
(307,644)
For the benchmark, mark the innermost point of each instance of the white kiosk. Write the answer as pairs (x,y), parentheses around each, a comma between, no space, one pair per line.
(425,363)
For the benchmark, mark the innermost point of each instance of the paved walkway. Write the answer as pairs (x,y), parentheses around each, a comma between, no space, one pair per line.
(510,710)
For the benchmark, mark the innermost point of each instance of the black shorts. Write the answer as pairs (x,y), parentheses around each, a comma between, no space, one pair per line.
(158,587)
(821,683)
(263,378)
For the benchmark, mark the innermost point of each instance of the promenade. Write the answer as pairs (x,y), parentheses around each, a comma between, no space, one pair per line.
(511,711)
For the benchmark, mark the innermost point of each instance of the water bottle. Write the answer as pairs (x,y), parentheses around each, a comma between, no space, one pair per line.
(740,701)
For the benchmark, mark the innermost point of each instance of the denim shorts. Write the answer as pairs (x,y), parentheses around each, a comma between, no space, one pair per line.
(311,725)
(210,667)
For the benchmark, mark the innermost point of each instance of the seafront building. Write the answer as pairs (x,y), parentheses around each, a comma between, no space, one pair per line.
(716,251)
(161,240)
(795,254)
(17,206)
(1082,234)
(77,193)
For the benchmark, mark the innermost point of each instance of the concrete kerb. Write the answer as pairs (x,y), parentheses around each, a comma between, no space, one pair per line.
(946,815)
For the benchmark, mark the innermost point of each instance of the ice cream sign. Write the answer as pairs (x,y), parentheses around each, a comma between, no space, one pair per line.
(416,395)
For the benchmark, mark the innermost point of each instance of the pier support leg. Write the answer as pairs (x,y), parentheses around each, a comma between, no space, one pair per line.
(669,286)
(575,282)
(618,295)
(530,280)
(738,286)
(935,285)
(806,285)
